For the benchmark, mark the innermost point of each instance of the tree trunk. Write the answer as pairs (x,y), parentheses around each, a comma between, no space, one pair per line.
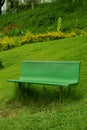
(32,4)
(1,4)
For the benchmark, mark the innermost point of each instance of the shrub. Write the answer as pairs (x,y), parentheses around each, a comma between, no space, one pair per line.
(7,42)
(71,34)
(30,38)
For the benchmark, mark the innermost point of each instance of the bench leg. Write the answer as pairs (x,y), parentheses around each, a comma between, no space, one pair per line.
(61,94)
(19,89)
(23,90)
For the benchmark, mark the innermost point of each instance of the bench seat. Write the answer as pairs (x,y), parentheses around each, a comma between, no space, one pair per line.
(57,82)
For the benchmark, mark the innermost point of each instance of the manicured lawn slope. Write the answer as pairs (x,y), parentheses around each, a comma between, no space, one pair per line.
(41,110)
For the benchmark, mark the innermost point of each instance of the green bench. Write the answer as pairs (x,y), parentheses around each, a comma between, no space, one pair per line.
(56,73)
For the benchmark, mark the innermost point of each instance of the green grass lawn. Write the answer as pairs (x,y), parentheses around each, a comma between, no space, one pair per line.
(41,110)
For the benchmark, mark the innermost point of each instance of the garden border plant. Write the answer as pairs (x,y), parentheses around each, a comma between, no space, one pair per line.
(8,42)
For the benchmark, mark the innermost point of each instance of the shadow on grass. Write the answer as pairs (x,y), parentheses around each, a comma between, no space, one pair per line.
(44,95)
(1,65)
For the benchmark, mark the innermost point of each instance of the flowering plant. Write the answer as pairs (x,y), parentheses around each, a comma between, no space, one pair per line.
(12,30)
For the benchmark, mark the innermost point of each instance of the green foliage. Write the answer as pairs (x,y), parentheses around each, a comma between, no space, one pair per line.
(44,17)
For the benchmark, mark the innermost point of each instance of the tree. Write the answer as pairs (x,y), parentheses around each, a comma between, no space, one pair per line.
(13,4)
(1,4)
(33,2)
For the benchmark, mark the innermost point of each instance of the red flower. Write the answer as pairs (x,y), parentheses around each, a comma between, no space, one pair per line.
(14,25)
(5,32)
(9,28)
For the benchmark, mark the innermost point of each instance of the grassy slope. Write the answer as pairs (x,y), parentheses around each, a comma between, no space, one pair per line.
(43,112)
